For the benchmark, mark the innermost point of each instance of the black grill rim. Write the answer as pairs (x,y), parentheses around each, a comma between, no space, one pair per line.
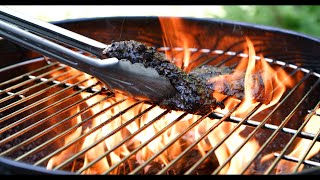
(210,20)
(306,43)
(8,166)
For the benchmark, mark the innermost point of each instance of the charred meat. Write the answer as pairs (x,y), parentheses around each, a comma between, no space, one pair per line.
(225,81)
(192,95)
(194,90)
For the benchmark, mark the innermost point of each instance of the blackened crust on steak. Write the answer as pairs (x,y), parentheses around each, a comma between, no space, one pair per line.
(225,81)
(221,79)
(193,95)
(206,72)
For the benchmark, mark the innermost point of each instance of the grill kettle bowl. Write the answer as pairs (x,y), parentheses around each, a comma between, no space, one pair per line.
(147,29)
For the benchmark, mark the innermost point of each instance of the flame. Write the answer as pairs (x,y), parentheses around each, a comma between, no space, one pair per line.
(302,147)
(273,82)
(262,85)
(56,160)
(175,35)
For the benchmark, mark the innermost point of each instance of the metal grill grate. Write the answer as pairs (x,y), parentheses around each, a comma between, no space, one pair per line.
(39,108)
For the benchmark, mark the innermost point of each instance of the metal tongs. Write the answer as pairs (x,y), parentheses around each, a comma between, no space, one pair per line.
(133,80)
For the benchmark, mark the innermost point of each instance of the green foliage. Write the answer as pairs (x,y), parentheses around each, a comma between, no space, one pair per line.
(303,19)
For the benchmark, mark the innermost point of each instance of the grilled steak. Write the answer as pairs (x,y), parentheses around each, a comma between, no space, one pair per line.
(192,95)
(194,90)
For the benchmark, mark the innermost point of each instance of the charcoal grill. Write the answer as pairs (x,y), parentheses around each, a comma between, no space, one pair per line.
(43,101)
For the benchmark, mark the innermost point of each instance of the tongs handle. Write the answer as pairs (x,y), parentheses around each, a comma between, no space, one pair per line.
(53,32)
(48,48)
(23,37)
(132,79)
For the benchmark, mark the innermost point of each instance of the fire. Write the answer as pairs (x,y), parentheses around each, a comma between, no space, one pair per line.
(303,147)
(274,83)
(175,35)
(145,132)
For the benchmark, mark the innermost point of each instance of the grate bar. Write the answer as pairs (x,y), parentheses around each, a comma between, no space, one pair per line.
(177,138)
(105,137)
(12,94)
(61,134)
(308,149)
(292,139)
(228,58)
(89,132)
(29,73)
(203,54)
(257,128)
(222,118)
(96,143)
(207,51)
(75,126)
(151,139)
(34,113)
(294,159)
(283,122)
(240,54)
(58,102)
(223,52)
(78,125)
(316,113)
(29,128)
(92,90)
(209,153)
(134,134)
(41,101)
(23,83)
(253,123)
(129,137)
(37,93)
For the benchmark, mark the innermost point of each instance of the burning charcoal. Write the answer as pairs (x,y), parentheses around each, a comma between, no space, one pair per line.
(154,168)
(128,166)
(186,162)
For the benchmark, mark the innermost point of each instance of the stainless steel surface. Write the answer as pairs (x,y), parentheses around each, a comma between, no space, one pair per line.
(119,75)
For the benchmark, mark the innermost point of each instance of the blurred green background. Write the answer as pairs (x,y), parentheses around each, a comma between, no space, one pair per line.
(300,18)
(305,19)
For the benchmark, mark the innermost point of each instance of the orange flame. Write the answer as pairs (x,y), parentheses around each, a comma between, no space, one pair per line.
(302,147)
(175,35)
(262,84)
